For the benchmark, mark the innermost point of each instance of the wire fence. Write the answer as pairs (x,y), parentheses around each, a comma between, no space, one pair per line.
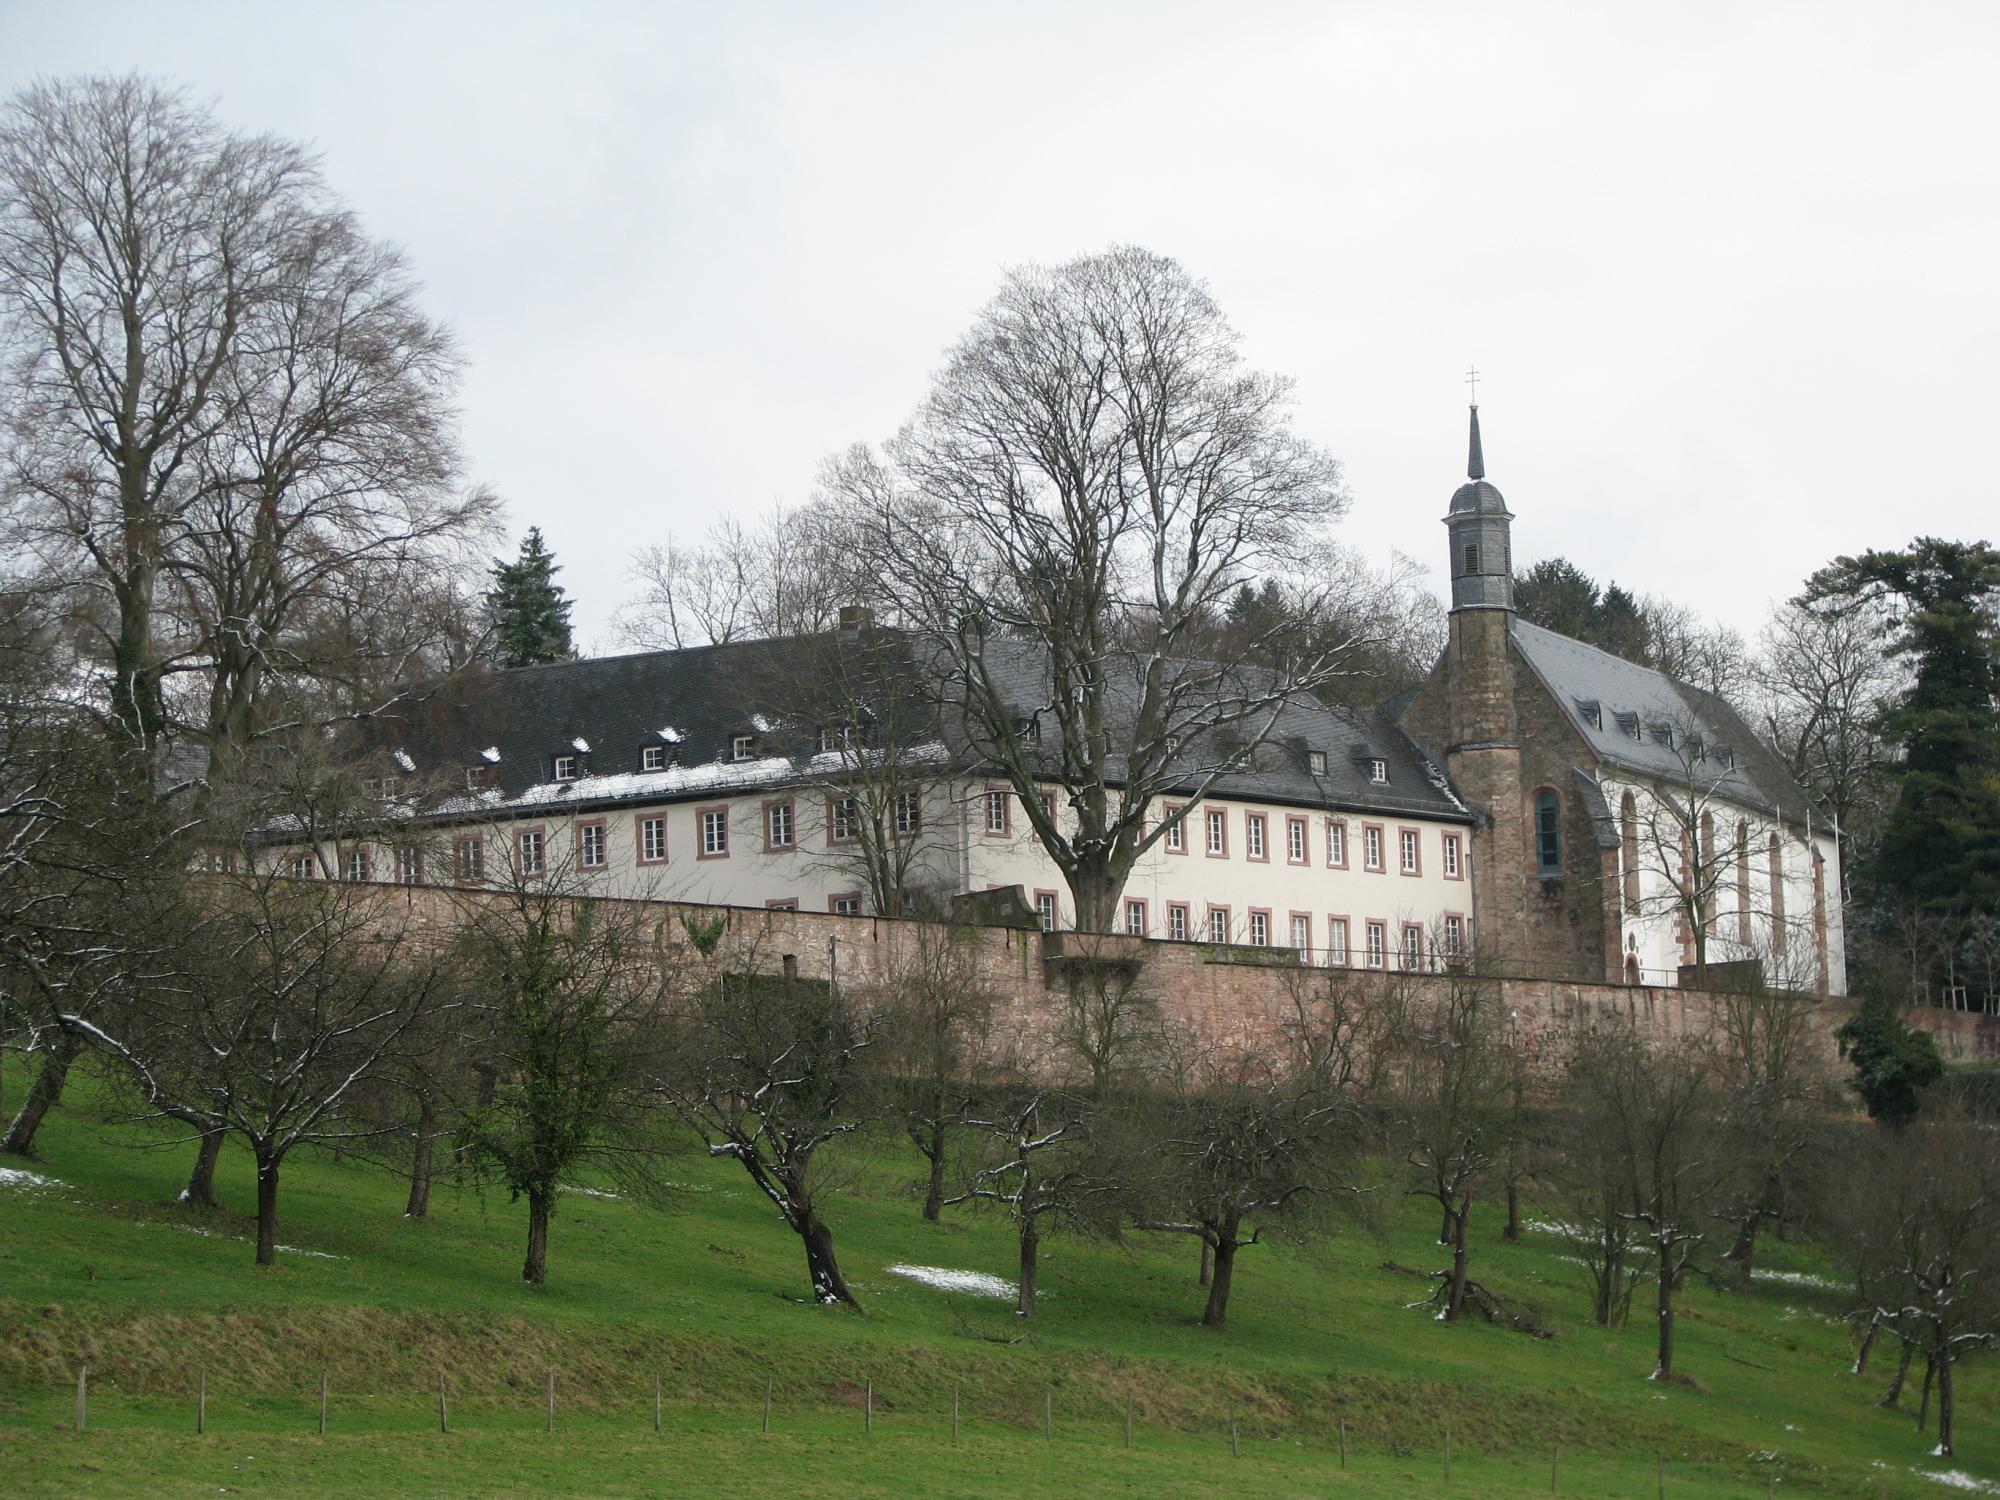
(1423,1454)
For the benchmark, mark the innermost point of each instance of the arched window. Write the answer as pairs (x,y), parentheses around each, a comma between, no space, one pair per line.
(1548,833)
(1628,848)
(1777,896)
(1743,882)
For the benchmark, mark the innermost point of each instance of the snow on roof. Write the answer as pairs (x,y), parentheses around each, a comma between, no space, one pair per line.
(671,735)
(761,724)
(491,755)
(403,760)
(581,744)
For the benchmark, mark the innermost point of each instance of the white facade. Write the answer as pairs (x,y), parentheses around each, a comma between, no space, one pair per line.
(1771,896)
(1368,889)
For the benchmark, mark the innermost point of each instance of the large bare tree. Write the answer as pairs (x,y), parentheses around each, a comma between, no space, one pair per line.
(1066,517)
(228,426)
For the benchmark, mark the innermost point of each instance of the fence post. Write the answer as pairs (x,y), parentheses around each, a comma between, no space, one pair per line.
(201,1404)
(1555,1469)
(552,1402)
(83,1399)
(1048,1411)
(444,1422)
(954,1414)
(1660,1470)
(1234,1451)
(769,1379)
(1447,1455)
(868,1409)
(1343,1442)
(656,1401)
(322,1403)
(1128,1419)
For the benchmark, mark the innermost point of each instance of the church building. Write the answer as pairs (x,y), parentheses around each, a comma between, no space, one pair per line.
(1631,827)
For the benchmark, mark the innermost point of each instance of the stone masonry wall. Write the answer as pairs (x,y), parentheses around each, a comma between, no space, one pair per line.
(1230,997)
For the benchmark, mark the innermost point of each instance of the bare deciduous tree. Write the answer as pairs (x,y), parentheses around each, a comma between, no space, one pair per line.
(292,995)
(1065,520)
(1648,1123)
(783,574)
(767,1073)
(939,1046)
(1039,1169)
(1920,1224)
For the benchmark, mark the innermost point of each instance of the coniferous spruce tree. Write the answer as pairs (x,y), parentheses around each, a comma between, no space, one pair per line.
(1940,851)
(528,608)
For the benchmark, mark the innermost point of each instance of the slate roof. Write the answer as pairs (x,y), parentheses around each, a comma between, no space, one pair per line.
(1606,697)
(707,695)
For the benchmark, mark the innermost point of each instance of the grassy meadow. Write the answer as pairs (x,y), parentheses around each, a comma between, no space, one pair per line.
(706,1291)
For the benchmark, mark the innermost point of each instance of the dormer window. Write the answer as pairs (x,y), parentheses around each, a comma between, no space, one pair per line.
(1316,762)
(1663,734)
(742,746)
(565,768)
(1592,711)
(1629,724)
(1029,729)
(478,778)
(652,757)
(1378,772)
(1725,757)
(829,740)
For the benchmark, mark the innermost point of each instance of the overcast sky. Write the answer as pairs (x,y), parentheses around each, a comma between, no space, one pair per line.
(1728,272)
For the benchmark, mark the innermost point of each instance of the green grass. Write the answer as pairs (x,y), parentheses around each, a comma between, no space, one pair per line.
(707,1292)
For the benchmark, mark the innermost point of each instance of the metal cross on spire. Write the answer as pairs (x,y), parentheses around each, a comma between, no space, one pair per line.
(1472,379)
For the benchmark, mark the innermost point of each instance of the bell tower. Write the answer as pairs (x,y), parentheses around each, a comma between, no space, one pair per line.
(1483,750)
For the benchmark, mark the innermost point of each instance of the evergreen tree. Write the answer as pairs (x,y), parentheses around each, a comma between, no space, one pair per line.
(528,609)
(1940,851)
(1893,1063)
(1558,595)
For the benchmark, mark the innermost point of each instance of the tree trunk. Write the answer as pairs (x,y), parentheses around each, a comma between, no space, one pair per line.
(1096,890)
(1743,1254)
(267,1211)
(1207,1272)
(1461,1256)
(43,1094)
(1867,1345)
(200,1190)
(1031,1241)
(1895,1392)
(1448,1231)
(535,1271)
(1943,1363)
(934,1190)
(1217,1311)
(419,1205)
(1924,1401)
(1513,1230)
(1665,1368)
(827,1282)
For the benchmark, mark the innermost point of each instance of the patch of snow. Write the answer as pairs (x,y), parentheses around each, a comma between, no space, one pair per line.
(593,1192)
(1551,1226)
(581,744)
(491,755)
(761,724)
(1958,1479)
(671,735)
(403,760)
(1798,1278)
(972,1283)
(17,1177)
(210,1234)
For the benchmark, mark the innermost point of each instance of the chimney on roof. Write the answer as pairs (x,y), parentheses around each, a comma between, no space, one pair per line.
(856,618)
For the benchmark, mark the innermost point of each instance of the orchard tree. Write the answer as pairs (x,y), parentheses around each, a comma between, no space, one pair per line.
(567,1018)
(1066,519)
(767,1070)
(528,608)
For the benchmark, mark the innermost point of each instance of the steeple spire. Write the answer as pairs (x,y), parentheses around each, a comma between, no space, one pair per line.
(1475,461)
